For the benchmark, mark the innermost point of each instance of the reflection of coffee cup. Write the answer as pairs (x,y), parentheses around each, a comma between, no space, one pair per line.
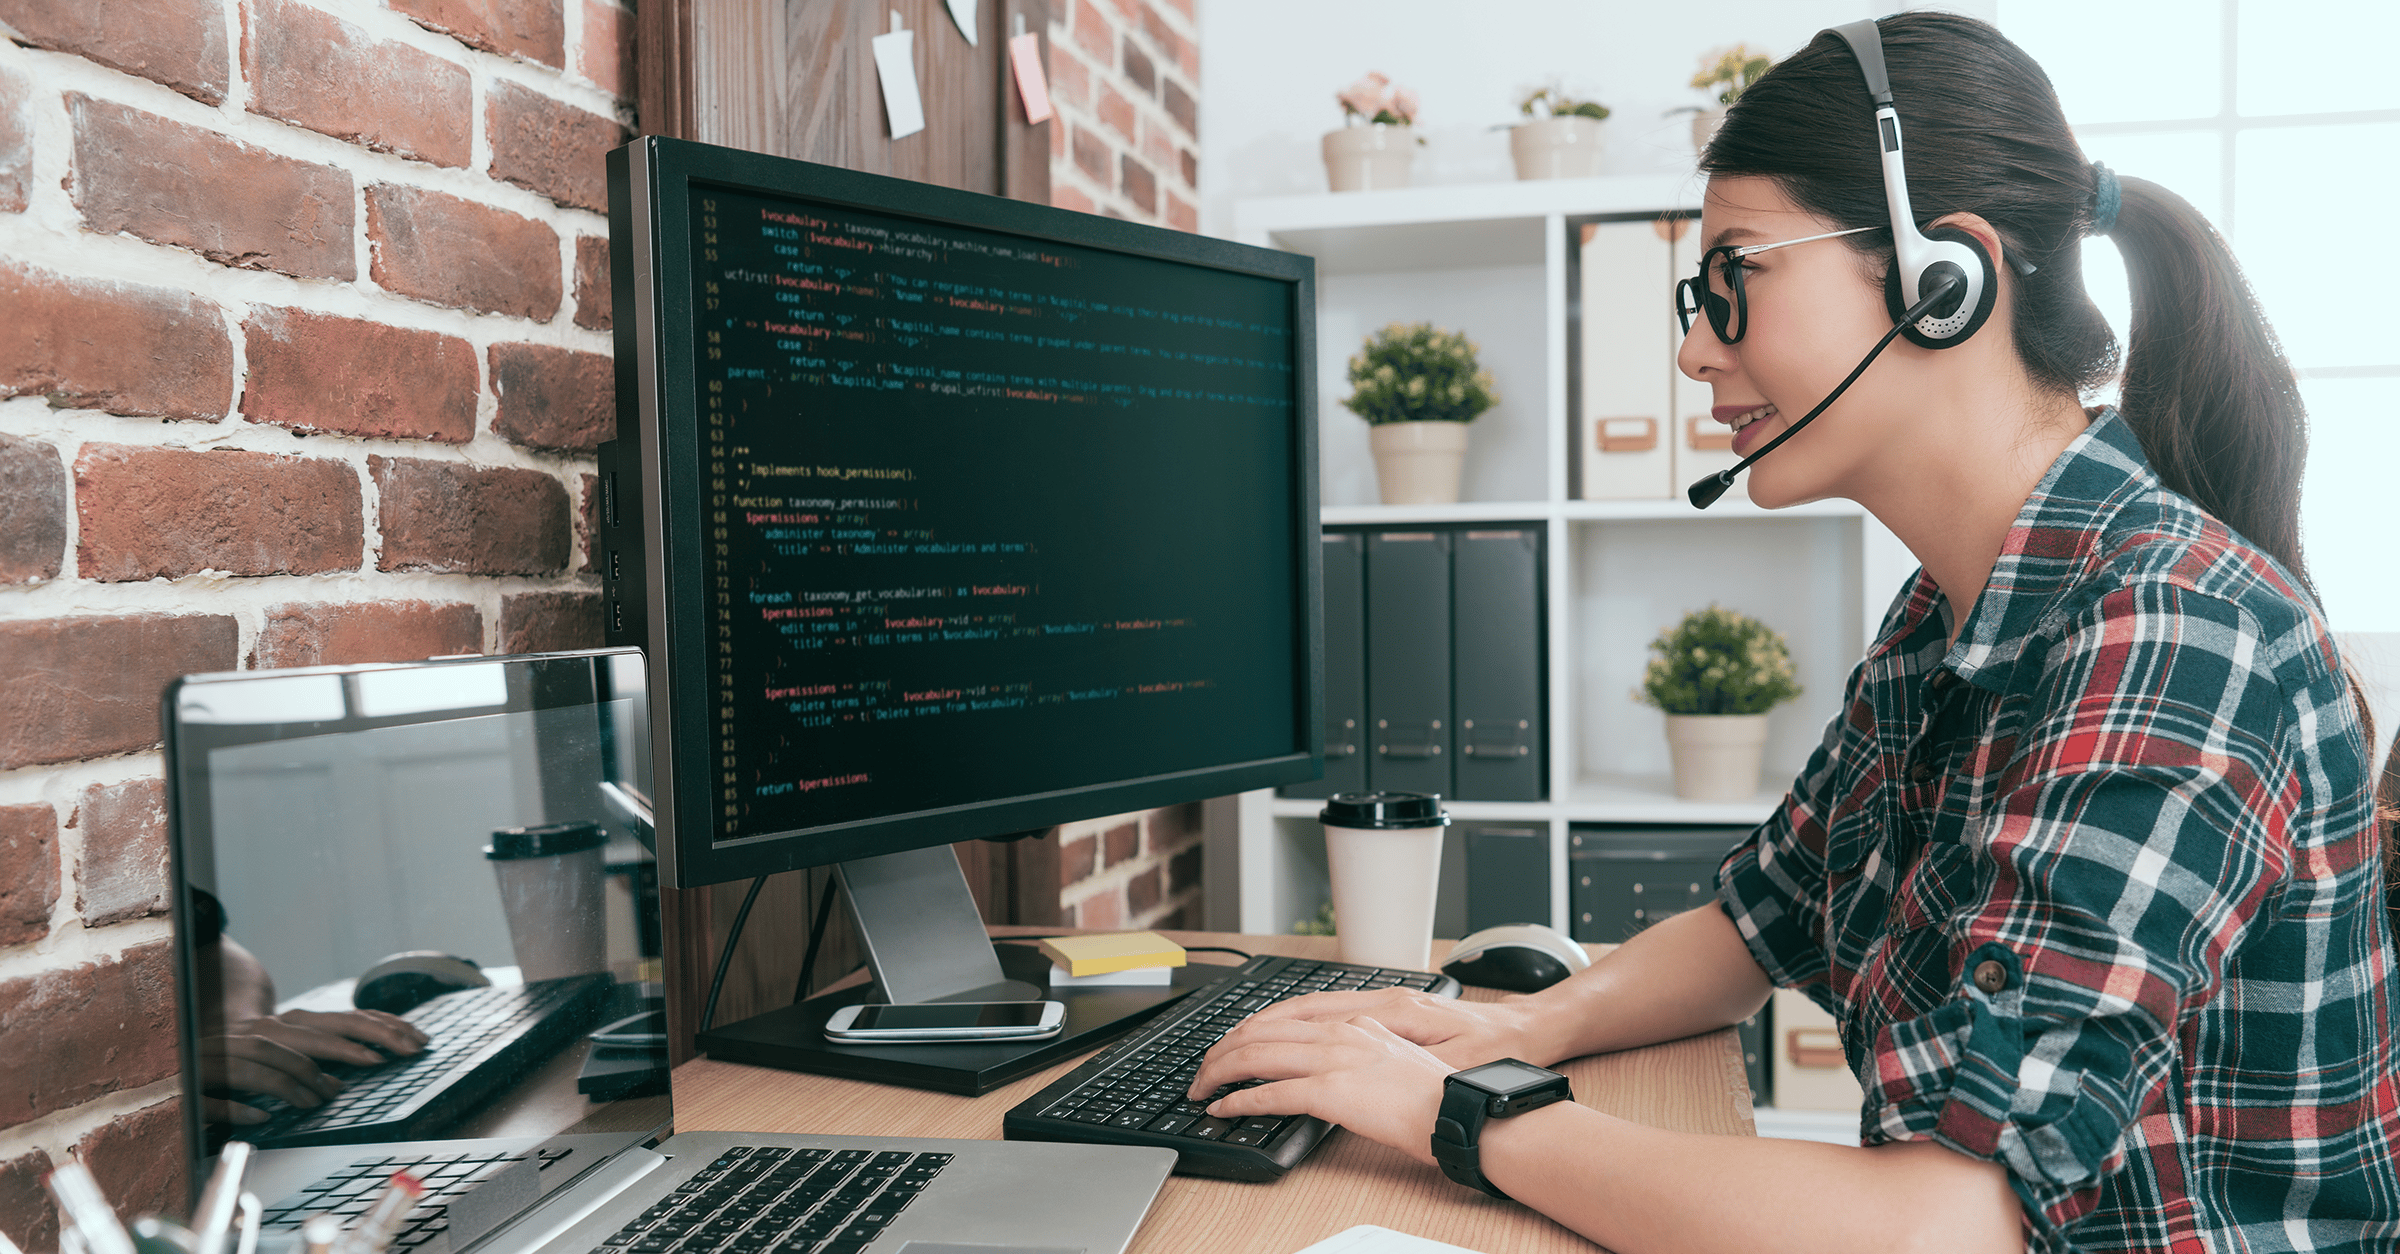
(550,889)
(1385,852)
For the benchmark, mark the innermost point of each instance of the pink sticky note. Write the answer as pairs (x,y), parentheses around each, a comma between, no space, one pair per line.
(1025,52)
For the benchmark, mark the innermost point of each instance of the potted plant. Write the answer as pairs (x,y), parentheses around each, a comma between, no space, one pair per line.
(1378,138)
(1716,674)
(1560,138)
(1418,387)
(1730,71)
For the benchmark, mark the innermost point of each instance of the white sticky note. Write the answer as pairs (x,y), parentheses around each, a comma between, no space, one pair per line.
(896,65)
(963,13)
(1025,53)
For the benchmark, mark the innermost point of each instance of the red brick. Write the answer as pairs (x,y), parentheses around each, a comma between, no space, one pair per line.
(1158,145)
(327,634)
(1181,107)
(533,29)
(82,1032)
(1102,910)
(1093,33)
(1091,155)
(26,1215)
(123,872)
(312,69)
(1181,214)
(88,344)
(1070,82)
(593,295)
(1191,169)
(553,398)
(180,43)
(33,510)
(16,139)
(1144,891)
(138,1159)
(1171,45)
(1188,8)
(148,513)
(606,56)
(235,204)
(1058,140)
(1078,859)
(1120,843)
(1138,70)
(456,518)
(1065,196)
(316,372)
(1139,184)
(547,622)
(28,873)
(446,251)
(1183,870)
(547,146)
(587,517)
(1114,110)
(87,687)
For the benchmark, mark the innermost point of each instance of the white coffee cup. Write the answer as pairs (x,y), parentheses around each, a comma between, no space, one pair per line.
(1385,852)
(551,885)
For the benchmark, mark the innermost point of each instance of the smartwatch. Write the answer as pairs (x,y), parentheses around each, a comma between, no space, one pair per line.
(1495,1090)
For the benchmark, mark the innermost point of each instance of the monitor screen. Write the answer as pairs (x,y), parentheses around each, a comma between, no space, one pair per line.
(957,516)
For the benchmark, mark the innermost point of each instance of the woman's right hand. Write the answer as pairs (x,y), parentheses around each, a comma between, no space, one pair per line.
(276,1055)
(1460,1033)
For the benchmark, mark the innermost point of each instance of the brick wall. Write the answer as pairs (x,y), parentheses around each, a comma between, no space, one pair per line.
(303,354)
(1125,78)
(1132,871)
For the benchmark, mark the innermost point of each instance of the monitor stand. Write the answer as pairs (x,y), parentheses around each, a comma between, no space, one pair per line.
(924,942)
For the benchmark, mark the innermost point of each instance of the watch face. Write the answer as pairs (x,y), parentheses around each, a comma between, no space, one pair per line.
(1507,1079)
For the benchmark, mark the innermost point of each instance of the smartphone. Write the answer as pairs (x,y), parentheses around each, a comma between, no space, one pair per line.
(645,1030)
(935,1022)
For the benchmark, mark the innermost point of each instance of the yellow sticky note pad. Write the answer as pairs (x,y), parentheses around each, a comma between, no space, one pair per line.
(1114,951)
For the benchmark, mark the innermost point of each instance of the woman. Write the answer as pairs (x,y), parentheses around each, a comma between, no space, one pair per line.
(2085,869)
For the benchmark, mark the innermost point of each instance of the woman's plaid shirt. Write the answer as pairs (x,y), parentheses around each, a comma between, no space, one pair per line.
(2094,894)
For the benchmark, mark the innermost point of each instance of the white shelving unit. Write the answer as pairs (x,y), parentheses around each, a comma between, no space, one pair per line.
(1493,260)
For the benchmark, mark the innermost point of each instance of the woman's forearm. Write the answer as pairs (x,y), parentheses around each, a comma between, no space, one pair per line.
(1682,976)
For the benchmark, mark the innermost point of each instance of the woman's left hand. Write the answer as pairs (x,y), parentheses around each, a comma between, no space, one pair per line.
(1354,1072)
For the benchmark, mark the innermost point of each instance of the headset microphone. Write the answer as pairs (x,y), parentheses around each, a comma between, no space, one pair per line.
(1705,493)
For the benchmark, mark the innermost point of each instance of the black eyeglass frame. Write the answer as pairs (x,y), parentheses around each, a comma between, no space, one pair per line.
(1693,295)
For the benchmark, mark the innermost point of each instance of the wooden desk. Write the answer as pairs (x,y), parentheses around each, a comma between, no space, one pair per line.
(1694,1085)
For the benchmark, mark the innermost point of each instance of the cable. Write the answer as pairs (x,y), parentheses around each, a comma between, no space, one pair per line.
(816,936)
(733,937)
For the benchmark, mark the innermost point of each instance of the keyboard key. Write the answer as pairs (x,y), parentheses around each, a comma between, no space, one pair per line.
(1210,1129)
(1171,1123)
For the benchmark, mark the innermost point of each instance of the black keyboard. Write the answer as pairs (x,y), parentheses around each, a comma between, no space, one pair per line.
(482,1040)
(346,1194)
(1132,1093)
(764,1200)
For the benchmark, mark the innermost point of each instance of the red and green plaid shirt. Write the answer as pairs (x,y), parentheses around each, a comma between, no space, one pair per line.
(2135,799)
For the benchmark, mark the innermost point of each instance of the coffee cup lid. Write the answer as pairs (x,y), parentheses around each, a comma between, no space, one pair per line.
(1383,810)
(549,840)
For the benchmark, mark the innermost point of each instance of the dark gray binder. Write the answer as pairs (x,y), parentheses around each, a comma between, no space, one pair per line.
(1508,874)
(1345,669)
(1408,662)
(1450,892)
(1496,613)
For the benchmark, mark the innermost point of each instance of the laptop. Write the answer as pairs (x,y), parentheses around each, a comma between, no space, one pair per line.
(463,844)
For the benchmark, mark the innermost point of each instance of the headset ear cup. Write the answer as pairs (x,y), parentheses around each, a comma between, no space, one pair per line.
(1975,318)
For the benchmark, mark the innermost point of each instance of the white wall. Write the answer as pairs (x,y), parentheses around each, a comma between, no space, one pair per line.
(1270,69)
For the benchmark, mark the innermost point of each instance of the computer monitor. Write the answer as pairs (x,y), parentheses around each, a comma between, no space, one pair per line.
(943,516)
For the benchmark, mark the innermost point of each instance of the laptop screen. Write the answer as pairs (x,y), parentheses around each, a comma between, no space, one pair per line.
(416,903)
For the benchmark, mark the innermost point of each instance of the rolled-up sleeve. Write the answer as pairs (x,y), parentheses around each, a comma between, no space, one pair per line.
(2142,823)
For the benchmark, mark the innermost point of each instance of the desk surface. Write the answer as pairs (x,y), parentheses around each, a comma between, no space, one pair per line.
(1692,1085)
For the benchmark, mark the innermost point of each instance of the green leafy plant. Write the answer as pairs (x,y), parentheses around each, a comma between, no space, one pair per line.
(1552,102)
(1375,99)
(1718,661)
(1322,925)
(1417,372)
(1731,71)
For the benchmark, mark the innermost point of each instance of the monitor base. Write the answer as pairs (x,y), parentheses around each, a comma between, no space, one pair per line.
(792,1038)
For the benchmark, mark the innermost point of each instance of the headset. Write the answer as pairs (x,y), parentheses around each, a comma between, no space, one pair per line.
(1941,286)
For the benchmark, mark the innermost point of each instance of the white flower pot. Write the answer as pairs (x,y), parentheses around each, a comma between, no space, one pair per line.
(1417,463)
(1716,756)
(1705,124)
(1556,148)
(1370,157)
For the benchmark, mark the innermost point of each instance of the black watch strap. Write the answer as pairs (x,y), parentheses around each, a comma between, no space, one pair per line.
(1457,1132)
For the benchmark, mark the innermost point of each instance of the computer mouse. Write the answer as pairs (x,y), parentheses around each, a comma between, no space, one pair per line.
(405,981)
(1519,957)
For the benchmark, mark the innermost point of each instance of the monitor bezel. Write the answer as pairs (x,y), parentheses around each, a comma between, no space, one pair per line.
(649,221)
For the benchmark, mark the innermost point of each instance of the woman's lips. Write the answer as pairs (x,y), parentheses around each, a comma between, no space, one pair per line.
(1749,423)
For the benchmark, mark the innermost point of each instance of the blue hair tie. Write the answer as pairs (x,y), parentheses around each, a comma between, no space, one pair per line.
(2106,198)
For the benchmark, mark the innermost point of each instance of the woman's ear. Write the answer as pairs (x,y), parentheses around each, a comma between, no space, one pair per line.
(1984,233)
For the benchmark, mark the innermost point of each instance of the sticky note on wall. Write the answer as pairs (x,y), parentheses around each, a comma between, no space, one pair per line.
(896,66)
(1025,53)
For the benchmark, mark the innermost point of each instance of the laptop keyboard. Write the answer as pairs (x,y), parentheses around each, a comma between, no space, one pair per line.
(346,1194)
(481,1037)
(767,1200)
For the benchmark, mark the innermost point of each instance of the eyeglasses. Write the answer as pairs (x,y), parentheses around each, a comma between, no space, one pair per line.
(1727,309)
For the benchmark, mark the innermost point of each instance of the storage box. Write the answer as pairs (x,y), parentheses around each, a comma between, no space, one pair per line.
(1623,879)
(1811,1072)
